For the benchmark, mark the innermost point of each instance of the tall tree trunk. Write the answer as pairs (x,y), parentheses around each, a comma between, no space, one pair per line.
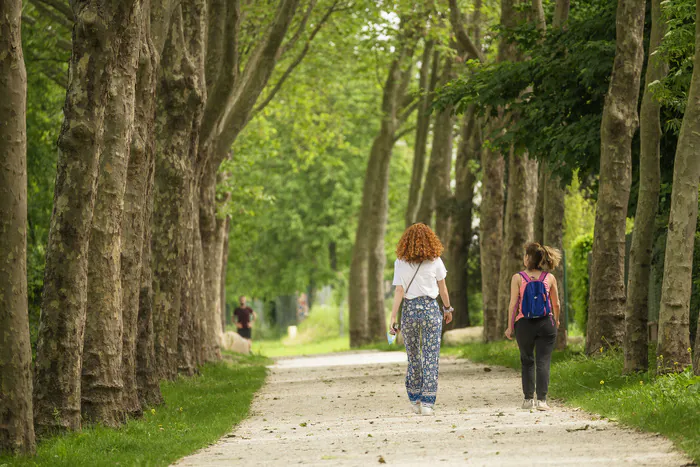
(468,155)
(520,208)
(181,97)
(436,190)
(366,290)
(606,305)
(444,126)
(522,187)
(674,320)
(140,190)
(147,374)
(422,130)
(135,199)
(554,208)
(101,382)
(539,218)
(233,94)
(99,27)
(211,228)
(637,307)
(224,270)
(16,417)
(491,236)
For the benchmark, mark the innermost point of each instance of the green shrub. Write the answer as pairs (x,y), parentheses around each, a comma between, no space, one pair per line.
(578,279)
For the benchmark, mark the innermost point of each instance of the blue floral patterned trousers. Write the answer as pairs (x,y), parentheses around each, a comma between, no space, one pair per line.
(421,324)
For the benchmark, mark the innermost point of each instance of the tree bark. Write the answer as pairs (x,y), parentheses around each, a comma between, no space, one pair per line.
(606,309)
(16,416)
(491,237)
(99,27)
(436,190)
(554,208)
(366,291)
(135,199)
(468,154)
(138,218)
(147,374)
(422,130)
(674,320)
(212,231)
(539,218)
(181,97)
(224,270)
(101,381)
(520,207)
(637,306)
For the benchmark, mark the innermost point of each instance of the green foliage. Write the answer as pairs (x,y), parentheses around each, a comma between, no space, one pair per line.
(578,279)
(677,50)
(579,213)
(197,412)
(46,64)
(669,404)
(557,94)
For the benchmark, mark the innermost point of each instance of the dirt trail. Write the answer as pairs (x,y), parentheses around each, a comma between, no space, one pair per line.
(351,409)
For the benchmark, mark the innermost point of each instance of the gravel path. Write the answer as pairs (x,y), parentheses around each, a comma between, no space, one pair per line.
(351,409)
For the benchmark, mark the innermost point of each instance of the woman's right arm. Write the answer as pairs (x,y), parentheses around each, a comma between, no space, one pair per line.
(398,296)
(514,293)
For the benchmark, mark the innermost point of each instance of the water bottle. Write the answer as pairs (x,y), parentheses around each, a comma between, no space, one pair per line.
(391,338)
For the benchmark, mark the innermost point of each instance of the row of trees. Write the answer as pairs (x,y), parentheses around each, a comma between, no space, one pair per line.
(556,92)
(157,94)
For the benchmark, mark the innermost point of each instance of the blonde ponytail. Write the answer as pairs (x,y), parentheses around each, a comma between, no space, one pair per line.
(551,257)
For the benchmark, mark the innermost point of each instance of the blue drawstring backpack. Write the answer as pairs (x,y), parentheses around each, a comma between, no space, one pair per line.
(535,301)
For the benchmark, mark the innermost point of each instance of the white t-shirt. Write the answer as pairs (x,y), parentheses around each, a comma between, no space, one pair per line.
(425,283)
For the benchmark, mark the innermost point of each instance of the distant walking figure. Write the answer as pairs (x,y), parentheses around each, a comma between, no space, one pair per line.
(419,276)
(534,316)
(244,317)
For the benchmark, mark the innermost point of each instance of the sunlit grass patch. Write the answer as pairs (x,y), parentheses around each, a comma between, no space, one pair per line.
(197,412)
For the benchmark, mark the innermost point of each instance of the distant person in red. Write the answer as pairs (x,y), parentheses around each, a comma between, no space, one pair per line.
(244,317)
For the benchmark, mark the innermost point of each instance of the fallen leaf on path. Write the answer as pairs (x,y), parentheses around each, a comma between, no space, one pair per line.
(381,460)
(487,369)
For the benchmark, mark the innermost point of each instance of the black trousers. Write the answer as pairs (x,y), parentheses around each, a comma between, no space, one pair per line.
(536,339)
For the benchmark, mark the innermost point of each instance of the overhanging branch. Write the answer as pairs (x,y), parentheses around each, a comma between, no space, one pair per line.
(297,61)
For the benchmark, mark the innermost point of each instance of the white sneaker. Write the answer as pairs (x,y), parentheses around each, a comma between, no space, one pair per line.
(542,405)
(528,404)
(424,410)
(415,407)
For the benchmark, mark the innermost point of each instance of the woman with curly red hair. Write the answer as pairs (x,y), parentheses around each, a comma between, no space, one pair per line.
(419,276)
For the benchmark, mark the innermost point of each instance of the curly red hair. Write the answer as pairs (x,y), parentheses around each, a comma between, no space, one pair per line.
(418,243)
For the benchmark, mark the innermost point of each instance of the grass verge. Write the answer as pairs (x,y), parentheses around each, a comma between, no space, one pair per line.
(197,412)
(669,404)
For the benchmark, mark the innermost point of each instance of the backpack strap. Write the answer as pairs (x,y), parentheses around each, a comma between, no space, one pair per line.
(543,276)
(525,276)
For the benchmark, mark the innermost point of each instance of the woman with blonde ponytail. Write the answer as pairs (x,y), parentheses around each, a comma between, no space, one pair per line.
(533,314)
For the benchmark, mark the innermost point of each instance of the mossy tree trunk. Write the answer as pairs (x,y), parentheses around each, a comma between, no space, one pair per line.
(181,96)
(98,30)
(606,304)
(491,236)
(16,416)
(518,227)
(101,380)
(366,283)
(674,320)
(426,87)
(468,155)
(637,307)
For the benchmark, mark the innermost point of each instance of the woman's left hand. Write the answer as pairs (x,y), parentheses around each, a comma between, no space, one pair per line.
(448,318)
